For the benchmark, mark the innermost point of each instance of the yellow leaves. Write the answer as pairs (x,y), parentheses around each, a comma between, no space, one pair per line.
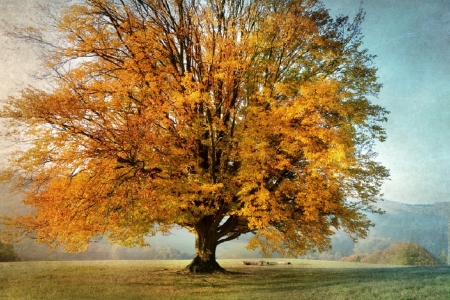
(208,189)
(172,117)
(247,189)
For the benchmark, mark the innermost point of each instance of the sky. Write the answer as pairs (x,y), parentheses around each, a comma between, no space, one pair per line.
(411,39)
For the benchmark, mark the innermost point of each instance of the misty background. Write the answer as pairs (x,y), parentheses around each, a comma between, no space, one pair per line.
(411,40)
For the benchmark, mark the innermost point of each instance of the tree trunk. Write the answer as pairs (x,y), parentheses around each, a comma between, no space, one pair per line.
(205,252)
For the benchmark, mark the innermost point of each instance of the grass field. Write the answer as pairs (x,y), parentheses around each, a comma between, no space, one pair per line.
(304,279)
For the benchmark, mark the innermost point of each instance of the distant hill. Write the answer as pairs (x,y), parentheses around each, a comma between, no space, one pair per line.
(424,224)
(436,209)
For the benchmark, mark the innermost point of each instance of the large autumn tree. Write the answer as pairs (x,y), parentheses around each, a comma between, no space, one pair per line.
(223,117)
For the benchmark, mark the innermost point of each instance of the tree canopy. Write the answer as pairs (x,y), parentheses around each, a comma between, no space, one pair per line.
(223,117)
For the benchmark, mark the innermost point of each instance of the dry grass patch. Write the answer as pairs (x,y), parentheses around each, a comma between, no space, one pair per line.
(163,280)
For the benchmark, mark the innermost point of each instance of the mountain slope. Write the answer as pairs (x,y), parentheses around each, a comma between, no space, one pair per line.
(424,224)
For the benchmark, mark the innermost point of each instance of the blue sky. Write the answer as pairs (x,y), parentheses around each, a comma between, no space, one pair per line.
(411,39)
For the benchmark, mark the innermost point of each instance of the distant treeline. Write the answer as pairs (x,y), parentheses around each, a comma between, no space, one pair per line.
(28,250)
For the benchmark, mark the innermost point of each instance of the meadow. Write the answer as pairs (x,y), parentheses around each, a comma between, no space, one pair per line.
(303,279)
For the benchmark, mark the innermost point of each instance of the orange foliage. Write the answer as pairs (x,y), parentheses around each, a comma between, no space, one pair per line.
(224,117)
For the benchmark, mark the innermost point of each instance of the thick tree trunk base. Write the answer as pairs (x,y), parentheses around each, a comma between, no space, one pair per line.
(201,266)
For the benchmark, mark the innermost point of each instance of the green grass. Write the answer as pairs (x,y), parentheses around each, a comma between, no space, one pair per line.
(304,279)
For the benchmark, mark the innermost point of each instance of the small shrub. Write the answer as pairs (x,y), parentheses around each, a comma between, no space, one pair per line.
(410,254)
(355,257)
(7,253)
(443,257)
(373,258)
